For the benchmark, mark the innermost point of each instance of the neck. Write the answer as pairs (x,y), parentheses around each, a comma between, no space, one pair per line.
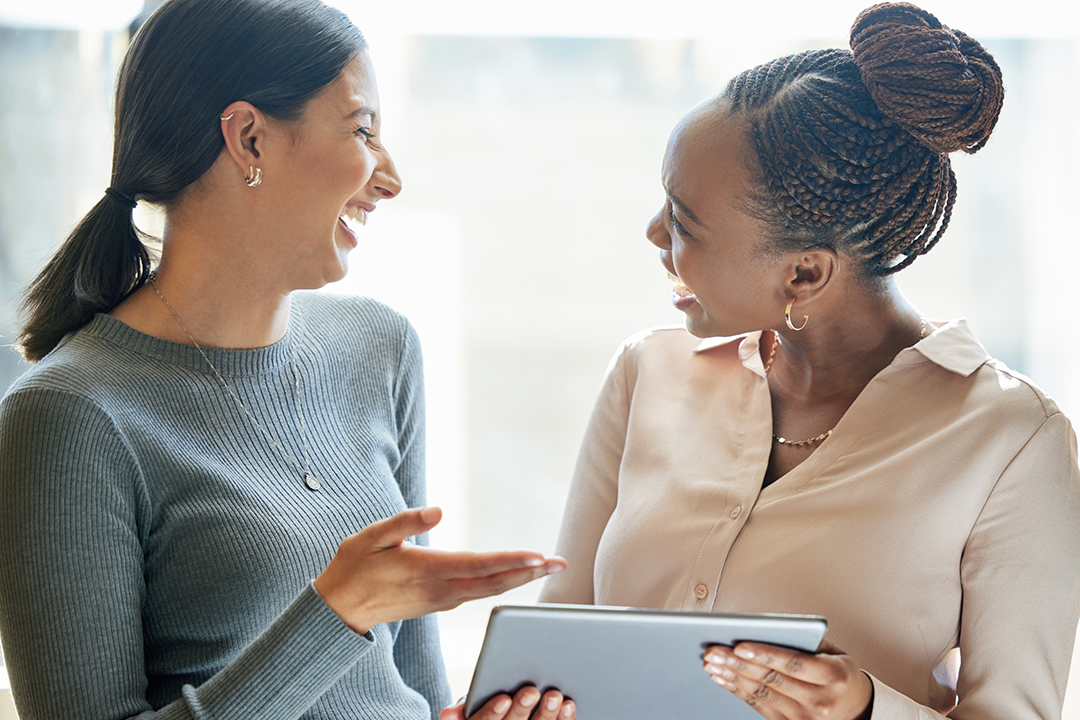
(848,341)
(221,302)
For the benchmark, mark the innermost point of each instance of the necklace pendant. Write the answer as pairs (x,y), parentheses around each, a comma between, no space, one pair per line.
(311,481)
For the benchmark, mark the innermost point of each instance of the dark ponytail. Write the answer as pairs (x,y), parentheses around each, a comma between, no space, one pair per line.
(188,62)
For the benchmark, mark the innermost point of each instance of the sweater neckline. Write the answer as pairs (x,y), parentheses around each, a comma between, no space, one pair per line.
(253,361)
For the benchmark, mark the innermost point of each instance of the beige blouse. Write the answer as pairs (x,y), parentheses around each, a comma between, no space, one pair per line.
(943,512)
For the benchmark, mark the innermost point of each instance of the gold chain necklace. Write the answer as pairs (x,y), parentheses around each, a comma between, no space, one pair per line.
(310,480)
(827,433)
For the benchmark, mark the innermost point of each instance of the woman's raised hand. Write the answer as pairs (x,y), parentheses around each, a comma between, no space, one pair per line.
(784,684)
(377,576)
(551,706)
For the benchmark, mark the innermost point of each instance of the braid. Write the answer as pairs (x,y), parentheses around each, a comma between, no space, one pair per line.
(852,145)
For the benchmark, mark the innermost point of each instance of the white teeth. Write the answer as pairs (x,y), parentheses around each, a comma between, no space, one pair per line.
(355,214)
(680,287)
(354,218)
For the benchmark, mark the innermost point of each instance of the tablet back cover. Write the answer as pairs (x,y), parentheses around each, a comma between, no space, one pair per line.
(623,663)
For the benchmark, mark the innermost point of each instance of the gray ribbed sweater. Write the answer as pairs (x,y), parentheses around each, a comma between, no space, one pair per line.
(157,552)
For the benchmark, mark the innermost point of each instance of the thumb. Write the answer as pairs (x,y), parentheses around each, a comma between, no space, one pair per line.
(392,531)
(827,648)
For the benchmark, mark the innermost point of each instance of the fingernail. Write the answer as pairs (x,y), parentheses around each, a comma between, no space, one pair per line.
(722,682)
(714,669)
(552,702)
(715,658)
(529,699)
(555,569)
(744,652)
(568,710)
(429,514)
(502,705)
(534,562)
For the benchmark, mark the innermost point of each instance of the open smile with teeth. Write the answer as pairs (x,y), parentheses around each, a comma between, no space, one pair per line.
(679,288)
(355,213)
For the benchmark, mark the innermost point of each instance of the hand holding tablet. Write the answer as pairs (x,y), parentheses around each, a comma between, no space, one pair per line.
(625,663)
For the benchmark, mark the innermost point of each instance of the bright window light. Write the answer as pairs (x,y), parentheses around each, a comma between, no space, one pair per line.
(69,14)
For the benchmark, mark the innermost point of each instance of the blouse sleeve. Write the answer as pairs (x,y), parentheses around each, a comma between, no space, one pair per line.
(593,490)
(72,522)
(417,651)
(1021,591)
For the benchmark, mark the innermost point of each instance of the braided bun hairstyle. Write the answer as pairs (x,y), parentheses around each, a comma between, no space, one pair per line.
(853,146)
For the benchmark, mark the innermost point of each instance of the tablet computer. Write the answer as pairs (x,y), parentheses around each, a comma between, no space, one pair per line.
(625,663)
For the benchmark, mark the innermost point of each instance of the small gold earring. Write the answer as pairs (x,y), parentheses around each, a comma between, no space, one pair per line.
(787,317)
(254,176)
(229,117)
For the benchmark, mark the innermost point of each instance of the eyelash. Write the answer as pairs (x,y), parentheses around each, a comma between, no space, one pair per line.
(676,224)
(366,133)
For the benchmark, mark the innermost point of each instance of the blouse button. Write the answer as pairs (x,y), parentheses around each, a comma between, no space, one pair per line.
(736,511)
(701,592)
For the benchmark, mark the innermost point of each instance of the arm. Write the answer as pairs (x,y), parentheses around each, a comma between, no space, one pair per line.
(72,523)
(417,652)
(594,489)
(1021,581)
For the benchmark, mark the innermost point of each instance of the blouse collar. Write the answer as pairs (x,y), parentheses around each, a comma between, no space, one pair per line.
(951,345)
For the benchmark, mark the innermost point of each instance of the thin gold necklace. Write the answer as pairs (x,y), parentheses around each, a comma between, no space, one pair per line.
(310,480)
(827,433)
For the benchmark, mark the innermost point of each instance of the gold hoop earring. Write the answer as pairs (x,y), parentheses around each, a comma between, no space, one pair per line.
(254,176)
(787,317)
(229,116)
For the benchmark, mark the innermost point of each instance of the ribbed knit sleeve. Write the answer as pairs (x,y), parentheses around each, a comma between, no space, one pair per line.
(74,515)
(417,651)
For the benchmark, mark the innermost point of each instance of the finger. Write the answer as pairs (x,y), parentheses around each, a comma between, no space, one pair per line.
(493,709)
(392,531)
(731,670)
(524,701)
(765,700)
(466,565)
(827,648)
(473,588)
(814,669)
(550,705)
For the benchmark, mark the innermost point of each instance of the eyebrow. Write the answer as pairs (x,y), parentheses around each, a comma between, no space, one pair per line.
(686,211)
(360,111)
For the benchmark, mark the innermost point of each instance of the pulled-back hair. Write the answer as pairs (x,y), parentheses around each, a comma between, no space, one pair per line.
(853,146)
(188,62)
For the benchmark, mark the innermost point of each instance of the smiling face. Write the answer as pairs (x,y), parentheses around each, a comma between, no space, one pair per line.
(324,170)
(731,282)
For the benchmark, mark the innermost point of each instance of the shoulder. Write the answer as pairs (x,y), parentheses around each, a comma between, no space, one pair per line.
(357,322)
(984,385)
(329,311)
(83,366)
(1011,395)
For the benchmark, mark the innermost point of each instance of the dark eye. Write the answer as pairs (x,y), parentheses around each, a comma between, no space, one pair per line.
(365,132)
(676,224)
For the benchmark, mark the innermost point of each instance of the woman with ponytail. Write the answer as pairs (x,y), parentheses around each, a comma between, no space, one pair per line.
(814,444)
(213,482)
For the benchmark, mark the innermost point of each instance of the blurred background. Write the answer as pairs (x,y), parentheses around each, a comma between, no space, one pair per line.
(529,137)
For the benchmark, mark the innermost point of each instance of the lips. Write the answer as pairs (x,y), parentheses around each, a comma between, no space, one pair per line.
(681,296)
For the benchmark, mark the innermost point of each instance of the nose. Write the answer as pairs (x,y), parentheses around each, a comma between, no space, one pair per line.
(385,179)
(657,232)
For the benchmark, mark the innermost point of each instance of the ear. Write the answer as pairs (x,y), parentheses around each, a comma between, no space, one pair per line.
(810,274)
(244,128)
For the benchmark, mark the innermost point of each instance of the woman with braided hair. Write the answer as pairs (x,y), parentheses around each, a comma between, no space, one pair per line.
(814,444)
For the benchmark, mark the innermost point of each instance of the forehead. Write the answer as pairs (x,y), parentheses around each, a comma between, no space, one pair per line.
(708,160)
(353,89)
